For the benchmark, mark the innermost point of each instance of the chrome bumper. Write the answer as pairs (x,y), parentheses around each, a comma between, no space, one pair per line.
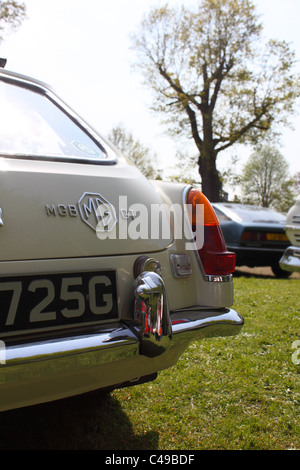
(46,370)
(120,341)
(290,261)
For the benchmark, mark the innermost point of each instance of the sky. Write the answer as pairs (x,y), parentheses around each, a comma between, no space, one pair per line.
(83,50)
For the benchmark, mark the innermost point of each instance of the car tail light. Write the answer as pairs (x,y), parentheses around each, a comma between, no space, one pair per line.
(213,254)
(252,236)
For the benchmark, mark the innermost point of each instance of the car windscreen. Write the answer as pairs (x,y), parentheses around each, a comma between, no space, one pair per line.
(32,124)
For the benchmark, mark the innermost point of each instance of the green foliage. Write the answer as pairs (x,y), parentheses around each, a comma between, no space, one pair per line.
(183,171)
(265,180)
(135,151)
(214,79)
(11,15)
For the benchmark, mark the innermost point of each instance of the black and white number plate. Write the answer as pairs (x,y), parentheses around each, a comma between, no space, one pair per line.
(35,302)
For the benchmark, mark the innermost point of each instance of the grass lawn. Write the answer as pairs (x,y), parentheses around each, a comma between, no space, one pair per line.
(239,392)
(230,393)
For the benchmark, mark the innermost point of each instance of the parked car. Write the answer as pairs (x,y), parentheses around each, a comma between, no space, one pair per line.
(290,260)
(256,234)
(98,287)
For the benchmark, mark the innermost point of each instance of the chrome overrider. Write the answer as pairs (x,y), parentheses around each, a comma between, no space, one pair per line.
(110,355)
(290,260)
(152,314)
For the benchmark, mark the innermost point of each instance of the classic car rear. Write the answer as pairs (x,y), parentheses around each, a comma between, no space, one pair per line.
(290,260)
(256,234)
(102,281)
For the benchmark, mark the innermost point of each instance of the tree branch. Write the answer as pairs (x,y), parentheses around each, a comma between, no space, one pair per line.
(194,127)
(219,76)
(237,136)
(182,95)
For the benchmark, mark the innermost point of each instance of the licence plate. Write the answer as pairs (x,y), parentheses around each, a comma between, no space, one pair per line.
(277,237)
(53,300)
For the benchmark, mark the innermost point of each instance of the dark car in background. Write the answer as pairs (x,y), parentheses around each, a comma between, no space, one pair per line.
(256,234)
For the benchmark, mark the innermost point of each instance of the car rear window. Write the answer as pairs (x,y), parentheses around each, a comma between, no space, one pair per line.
(32,124)
(255,214)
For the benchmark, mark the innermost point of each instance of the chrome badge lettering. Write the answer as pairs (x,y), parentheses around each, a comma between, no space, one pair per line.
(62,210)
(1,221)
(93,209)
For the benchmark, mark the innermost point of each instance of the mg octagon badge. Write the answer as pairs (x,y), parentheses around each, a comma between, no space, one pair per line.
(97,212)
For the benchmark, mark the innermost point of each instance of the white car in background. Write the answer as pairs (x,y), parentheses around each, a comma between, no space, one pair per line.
(290,260)
(99,286)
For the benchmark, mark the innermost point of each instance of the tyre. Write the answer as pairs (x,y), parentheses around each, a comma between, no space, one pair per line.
(281,273)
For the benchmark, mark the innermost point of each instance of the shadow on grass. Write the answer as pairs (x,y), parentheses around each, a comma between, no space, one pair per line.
(89,422)
(258,273)
(261,273)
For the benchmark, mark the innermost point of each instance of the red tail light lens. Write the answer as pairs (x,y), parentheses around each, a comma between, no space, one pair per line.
(214,256)
(249,236)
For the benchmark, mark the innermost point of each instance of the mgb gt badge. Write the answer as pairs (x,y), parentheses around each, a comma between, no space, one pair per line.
(94,210)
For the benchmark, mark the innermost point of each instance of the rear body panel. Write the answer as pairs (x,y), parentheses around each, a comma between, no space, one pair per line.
(265,247)
(257,240)
(59,218)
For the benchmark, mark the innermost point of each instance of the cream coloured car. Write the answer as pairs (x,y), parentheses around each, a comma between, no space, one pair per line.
(105,277)
(290,260)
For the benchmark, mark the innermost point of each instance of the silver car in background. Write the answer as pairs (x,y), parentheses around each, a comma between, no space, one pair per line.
(290,261)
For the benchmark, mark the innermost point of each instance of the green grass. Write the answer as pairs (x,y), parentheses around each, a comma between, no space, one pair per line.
(240,392)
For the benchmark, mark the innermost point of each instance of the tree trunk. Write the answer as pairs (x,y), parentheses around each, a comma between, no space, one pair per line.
(211,182)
